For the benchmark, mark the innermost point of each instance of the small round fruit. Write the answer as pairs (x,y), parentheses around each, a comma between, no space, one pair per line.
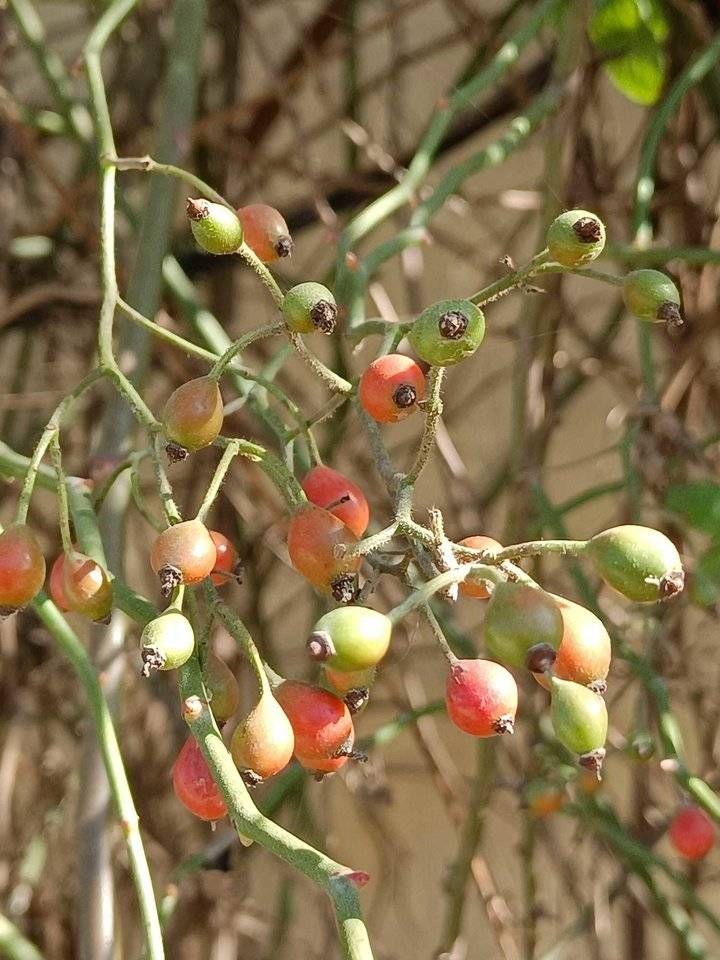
(266,232)
(520,617)
(651,295)
(263,743)
(391,387)
(194,785)
(167,642)
(55,583)
(87,587)
(313,536)
(447,332)
(221,687)
(580,721)
(692,833)
(331,490)
(215,227)
(22,568)
(477,588)
(183,553)
(228,565)
(193,415)
(308,307)
(481,698)
(350,638)
(640,563)
(575,238)
(544,798)
(585,650)
(321,722)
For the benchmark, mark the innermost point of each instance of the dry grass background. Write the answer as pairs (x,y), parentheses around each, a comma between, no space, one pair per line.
(315,107)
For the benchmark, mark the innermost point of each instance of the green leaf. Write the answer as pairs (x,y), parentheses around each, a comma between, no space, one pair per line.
(698,503)
(705,582)
(630,34)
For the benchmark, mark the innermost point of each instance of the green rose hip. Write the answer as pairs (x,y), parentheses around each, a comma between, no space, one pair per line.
(580,721)
(308,307)
(447,332)
(216,228)
(520,617)
(575,238)
(640,563)
(651,295)
(167,641)
(350,638)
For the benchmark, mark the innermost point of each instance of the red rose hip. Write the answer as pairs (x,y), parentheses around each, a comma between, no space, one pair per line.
(194,785)
(692,833)
(481,697)
(331,490)
(391,387)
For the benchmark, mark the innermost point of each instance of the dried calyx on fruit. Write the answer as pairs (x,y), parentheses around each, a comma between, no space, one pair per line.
(183,553)
(315,542)
(447,332)
(350,638)
(651,295)
(481,698)
(580,721)
(391,388)
(22,568)
(640,563)
(167,642)
(575,237)
(519,617)
(263,743)
(193,416)
(216,228)
(308,307)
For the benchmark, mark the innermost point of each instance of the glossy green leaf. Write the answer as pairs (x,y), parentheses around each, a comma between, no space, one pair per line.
(630,34)
(705,581)
(698,503)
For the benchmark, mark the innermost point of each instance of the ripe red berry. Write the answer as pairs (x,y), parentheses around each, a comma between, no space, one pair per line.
(477,588)
(86,587)
(22,568)
(321,722)
(262,745)
(228,565)
(193,414)
(391,387)
(184,553)
(481,697)
(194,785)
(221,687)
(167,642)
(585,649)
(266,232)
(55,583)
(313,536)
(692,833)
(331,490)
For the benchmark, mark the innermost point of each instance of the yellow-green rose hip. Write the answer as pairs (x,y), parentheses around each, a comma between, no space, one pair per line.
(575,238)
(580,721)
(308,307)
(640,563)
(651,295)
(350,638)
(216,228)
(447,332)
(167,641)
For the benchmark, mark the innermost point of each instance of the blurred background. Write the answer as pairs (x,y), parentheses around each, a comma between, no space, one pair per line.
(318,107)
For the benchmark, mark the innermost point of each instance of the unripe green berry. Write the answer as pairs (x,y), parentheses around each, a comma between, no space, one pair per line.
(651,295)
(308,307)
(579,717)
(520,617)
(447,332)
(640,563)
(167,642)
(575,237)
(216,228)
(350,638)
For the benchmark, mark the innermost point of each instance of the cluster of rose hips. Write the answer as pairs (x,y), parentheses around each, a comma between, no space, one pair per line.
(564,645)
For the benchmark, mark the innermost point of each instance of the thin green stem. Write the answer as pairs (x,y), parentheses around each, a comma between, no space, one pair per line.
(268,280)
(422,595)
(146,164)
(511,281)
(239,632)
(229,454)
(433,412)
(533,548)
(62,495)
(375,541)
(242,343)
(165,491)
(13,945)
(332,380)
